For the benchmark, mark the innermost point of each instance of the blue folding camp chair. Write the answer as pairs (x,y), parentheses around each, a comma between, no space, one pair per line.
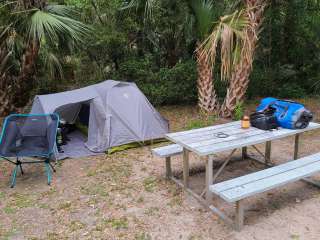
(29,135)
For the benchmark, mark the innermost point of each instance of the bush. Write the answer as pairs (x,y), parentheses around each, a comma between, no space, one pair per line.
(175,85)
(291,90)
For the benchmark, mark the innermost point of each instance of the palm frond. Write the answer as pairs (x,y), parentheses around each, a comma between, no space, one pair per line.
(4,61)
(50,26)
(147,6)
(230,32)
(204,14)
(62,10)
(53,65)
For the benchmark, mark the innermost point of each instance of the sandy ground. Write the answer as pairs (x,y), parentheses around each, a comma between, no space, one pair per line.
(125,196)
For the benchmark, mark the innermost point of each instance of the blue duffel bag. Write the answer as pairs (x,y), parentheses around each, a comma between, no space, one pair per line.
(289,114)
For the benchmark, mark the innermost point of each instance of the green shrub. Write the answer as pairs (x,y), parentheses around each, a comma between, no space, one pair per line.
(238,111)
(291,90)
(176,85)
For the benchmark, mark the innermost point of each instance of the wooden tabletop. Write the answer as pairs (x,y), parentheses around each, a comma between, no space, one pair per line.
(229,136)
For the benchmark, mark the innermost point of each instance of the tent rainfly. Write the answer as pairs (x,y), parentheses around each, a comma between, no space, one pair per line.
(116,113)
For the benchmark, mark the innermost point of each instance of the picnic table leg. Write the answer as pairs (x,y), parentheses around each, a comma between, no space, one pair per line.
(296,146)
(185,168)
(168,168)
(244,153)
(239,215)
(268,153)
(209,177)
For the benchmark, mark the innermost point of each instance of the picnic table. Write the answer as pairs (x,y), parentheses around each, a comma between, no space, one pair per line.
(207,142)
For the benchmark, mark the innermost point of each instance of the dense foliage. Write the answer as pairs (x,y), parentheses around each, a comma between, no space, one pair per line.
(154,47)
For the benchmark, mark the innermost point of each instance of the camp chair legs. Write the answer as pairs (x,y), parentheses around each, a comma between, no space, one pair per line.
(48,170)
(49,167)
(18,164)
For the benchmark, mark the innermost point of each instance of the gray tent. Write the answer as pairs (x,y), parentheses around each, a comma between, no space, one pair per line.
(117,113)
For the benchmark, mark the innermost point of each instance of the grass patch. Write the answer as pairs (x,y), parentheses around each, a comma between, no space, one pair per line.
(2,195)
(18,201)
(176,197)
(9,210)
(91,173)
(53,236)
(150,183)
(65,206)
(46,194)
(43,206)
(142,236)
(140,200)
(295,237)
(195,237)
(94,190)
(118,223)
(152,211)
(76,225)
(6,235)
(202,121)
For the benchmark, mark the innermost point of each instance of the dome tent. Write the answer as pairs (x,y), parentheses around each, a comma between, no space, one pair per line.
(117,113)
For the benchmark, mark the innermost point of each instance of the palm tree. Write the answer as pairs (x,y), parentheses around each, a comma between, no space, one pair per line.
(203,16)
(5,82)
(204,20)
(29,27)
(238,35)
(239,80)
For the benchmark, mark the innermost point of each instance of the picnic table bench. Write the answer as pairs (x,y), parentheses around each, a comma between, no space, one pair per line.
(167,152)
(207,142)
(237,189)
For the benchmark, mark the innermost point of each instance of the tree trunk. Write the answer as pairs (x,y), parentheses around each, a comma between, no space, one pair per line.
(6,93)
(239,80)
(6,106)
(207,98)
(26,79)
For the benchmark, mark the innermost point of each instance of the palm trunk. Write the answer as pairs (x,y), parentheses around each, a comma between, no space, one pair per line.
(6,93)
(207,98)
(26,79)
(239,80)
(6,106)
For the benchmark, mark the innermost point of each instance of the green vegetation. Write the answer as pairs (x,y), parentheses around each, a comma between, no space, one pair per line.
(118,223)
(202,121)
(150,183)
(153,45)
(238,112)
(18,201)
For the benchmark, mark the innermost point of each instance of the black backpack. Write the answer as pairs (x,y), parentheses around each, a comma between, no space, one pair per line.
(265,120)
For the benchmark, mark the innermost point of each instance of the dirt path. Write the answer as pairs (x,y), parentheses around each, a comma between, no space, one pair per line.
(125,196)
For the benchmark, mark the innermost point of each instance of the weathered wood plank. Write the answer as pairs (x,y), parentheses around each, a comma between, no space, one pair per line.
(187,138)
(269,182)
(296,146)
(267,155)
(239,216)
(168,168)
(205,129)
(247,141)
(207,135)
(232,131)
(186,168)
(209,177)
(167,151)
(229,184)
(231,138)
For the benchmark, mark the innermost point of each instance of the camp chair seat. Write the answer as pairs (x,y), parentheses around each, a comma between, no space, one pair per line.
(29,135)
